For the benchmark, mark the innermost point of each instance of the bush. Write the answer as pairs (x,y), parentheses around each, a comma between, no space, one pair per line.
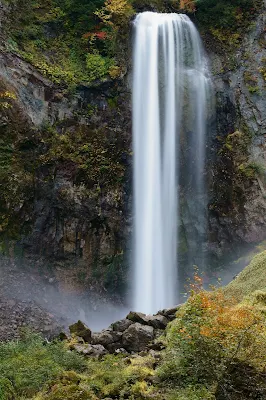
(28,364)
(98,66)
(250,279)
(6,389)
(213,336)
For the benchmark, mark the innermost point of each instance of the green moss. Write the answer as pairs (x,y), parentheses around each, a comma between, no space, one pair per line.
(69,386)
(196,392)
(251,170)
(251,279)
(7,391)
(97,158)
(30,363)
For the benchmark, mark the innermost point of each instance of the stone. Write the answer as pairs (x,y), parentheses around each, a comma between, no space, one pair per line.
(113,347)
(62,336)
(157,321)
(92,350)
(121,351)
(80,329)
(137,337)
(137,317)
(106,337)
(169,311)
(121,325)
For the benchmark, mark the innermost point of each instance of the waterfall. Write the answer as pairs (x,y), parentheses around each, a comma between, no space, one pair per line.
(170,91)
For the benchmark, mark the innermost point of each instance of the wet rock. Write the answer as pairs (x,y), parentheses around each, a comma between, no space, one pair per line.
(113,347)
(80,329)
(156,321)
(121,325)
(137,337)
(137,317)
(169,313)
(62,336)
(121,351)
(106,337)
(92,350)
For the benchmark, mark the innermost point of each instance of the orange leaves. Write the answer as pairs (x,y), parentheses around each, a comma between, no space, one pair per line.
(188,5)
(223,319)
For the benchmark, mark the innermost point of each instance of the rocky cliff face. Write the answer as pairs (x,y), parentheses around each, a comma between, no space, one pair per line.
(70,203)
(237,206)
(76,208)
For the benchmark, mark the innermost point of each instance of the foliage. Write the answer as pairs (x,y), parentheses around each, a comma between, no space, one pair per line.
(96,157)
(192,392)
(15,180)
(6,389)
(236,169)
(263,67)
(29,363)
(5,99)
(213,335)
(187,5)
(53,36)
(113,376)
(225,14)
(98,66)
(226,20)
(252,278)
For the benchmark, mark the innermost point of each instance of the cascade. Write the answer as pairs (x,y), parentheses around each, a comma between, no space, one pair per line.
(171,88)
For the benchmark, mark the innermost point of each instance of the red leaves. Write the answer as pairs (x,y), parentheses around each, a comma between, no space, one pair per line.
(101,35)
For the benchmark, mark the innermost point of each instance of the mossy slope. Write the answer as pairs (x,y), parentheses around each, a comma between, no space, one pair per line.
(252,278)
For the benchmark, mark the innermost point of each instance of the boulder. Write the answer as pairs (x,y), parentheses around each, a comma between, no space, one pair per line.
(81,330)
(113,347)
(121,351)
(137,337)
(92,350)
(121,326)
(156,321)
(106,337)
(169,313)
(137,317)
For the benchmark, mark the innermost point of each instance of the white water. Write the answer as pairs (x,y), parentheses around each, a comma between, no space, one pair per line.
(169,82)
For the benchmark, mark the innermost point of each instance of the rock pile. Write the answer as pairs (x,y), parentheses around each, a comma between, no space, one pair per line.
(136,333)
(15,314)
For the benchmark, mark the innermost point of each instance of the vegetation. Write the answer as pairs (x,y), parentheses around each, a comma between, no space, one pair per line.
(218,336)
(83,41)
(69,41)
(251,279)
(28,364)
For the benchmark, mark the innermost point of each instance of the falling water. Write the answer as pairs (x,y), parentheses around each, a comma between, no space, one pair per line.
(170,87)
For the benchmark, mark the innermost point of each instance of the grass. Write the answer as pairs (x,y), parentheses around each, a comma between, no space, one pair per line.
(26,365)
(252,278)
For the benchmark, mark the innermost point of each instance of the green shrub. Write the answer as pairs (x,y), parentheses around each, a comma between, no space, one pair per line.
(252,278)
(212,337)
(98,66)
(6,389)
(196,392)
(30,363)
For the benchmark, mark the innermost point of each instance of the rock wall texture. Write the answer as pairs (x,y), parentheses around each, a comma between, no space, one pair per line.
(74,221)
(76,213)
(237,205)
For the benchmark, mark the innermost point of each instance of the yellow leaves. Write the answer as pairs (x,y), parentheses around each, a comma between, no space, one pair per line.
(5,99)
(188,5)
(114,71)
(115,13)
